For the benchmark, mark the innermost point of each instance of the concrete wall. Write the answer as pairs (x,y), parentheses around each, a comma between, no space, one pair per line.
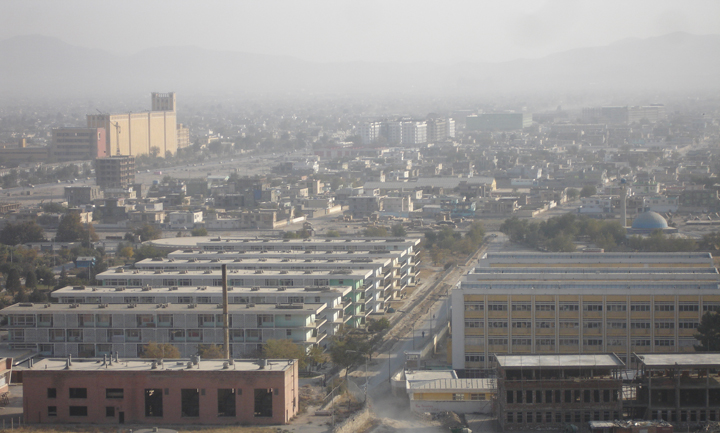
(422,406)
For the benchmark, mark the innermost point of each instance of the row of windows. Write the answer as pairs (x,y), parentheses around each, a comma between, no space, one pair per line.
(557,417)
(613,307)
(635,324)
(561,396)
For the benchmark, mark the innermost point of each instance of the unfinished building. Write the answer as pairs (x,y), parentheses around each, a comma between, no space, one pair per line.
(553,390)
(677,387)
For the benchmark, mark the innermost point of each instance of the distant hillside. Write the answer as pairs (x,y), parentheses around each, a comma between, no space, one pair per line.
(37,65)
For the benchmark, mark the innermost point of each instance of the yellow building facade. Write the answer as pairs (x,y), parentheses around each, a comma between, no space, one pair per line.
(562,309)
(141,133)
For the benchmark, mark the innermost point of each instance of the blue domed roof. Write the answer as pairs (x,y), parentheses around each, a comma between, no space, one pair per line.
(649,221)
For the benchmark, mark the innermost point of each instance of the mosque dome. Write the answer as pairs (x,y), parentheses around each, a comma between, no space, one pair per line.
(649,221)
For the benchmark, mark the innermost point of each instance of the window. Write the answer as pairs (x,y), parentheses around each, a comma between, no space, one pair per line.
(458,397)
(110,411)
(52,410)
(544,324)
(523,306)
(78,392)
(665,342)
(498,324)
(664,325)
(550,342)
(688,307)
(521,342)
(474,357)
(190,402)
(569,342)
(78,410)
(22,320)
(474,306)
(569,324)
(473,324)
(617,325)
(640,307)
(592,324)
(477,397)
(664,307)
(185,300)
(711,306)
(688,325)
(521,324)
(641,342)
(569,307)
(498,306)
(616,307)
(114,393)
(203,300)
(592,307)
(226,402)
(544,307)
(52,393)
(593,342)
(497,341)
(510,417)
(263,402)
(639,325)
(153,402)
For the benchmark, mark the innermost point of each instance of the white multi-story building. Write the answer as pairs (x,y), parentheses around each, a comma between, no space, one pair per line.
(94,330)
(414,132)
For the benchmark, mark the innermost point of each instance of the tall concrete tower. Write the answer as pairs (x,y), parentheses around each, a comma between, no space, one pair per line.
(163,101)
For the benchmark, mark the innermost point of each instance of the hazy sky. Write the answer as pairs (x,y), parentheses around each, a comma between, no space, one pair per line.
(371,30)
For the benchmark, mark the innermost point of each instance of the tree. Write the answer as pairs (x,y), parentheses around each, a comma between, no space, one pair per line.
(38,296)
(398,230)
(31,280)
(349,350)
(13,234)
(708,332)
(154,151)
(12,283)
(332,234)
(155,350)
(378,325)
(199,231)
(573,194)
(148,233)
(285,349)
(375,232)
(45,276)
(70,229)
(588,191)
(126,253)
(211,351)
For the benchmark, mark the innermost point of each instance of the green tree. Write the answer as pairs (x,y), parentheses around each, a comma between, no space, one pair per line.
(573,194)
(285,349)
(31,280)
(199,231)
(588,191)
(148,233)
(14,234)
(70,229)
(155,350)
(349,350)
(12,282)
(211,351)
(376,232)
(708,332)
(332,234)
(398,230)
(45,276)
(149,252)
(38,296)
(378,325)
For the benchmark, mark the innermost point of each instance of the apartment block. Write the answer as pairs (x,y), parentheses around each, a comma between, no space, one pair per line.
(336,299)
(580,303)
(117,172)
(140,391)
(358,280)
(78,144)
(96,330)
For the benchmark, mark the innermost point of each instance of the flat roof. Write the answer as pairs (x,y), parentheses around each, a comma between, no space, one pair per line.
(184,290)
(266,273)
(298,259)
(602,257)
(454,384)
(308,308)
(179,365)
(200,241)
(680,359)
(592,271)
(559,361)
(312,254)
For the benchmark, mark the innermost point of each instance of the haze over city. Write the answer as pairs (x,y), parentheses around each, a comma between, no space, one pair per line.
(360,216)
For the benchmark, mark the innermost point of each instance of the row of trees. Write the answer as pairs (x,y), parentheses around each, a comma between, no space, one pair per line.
(444,245)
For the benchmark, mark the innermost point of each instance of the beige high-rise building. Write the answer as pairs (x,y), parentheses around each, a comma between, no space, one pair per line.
(137,134)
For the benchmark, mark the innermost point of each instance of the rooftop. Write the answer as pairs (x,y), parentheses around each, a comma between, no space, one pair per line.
(454,384)
(340,273)
(255,262)
(559,361)
(680,359)
(162,308)
(212,241)
(179,365)
(184,290)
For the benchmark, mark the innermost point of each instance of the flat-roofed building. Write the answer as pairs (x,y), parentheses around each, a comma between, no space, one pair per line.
(94,330)
(336,298)
(682,388)
(362,287)
(556,390)
(385,278)
(561,303)
(149,392)
(115,172)
(77,144)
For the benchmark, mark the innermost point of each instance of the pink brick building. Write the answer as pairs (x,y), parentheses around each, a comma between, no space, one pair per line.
(139,391)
